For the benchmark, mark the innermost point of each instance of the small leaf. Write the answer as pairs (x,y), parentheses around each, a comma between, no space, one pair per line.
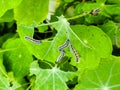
(52,79)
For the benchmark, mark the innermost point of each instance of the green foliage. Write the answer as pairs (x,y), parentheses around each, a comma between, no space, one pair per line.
(51,79)
(8,4)
(72,46)
(17,59)
(37,7)
(104,77)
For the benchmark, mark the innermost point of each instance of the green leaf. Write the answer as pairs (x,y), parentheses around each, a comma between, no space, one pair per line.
(2,68)
(105,77)
(5,80)
(89,7)
(112,30)
(112,9)
(5,37)
(8,4)
(117,19)
(5,83)
(113,1)
(42,28)
(68,1)
(17,58)
(31,11)
(52,79)
(7,17)
(117,38)
(94,38)
(87,40)
(100,1)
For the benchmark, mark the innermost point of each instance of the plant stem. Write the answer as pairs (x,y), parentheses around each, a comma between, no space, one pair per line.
(78,16)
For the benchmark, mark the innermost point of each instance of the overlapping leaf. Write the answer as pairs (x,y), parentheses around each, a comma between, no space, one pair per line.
(105,77)
(31,11)
(106,11)
(17,58)
(52,79)
(4,79)
(93,47)
(88,41)
(112,30)
(5,17)
(5,83)
(8,4)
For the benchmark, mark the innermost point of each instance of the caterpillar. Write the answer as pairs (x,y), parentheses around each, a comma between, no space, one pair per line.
(64,45)
(75,53)
(60,56)
(95,11)
(32,40)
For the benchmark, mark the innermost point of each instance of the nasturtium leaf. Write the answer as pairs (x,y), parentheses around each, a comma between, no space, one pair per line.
(89,7)
(112,9)
(42,28)
(95,38)
(112,30)
(39,50)
(17,58)
(47,50)
(8,4)
(104,77)
(92,47)
(31,11)
(87,40)
(2,68)
(3,74)
(117,19)
(5,37)
(117,38)
(8,16)
(113,1)
(5,83)
(52,79)
(5,80)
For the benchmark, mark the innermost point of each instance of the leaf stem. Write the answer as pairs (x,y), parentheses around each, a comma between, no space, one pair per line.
(78,16)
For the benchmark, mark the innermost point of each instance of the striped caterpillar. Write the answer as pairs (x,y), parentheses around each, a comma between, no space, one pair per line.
(75,53)
(61,49)
(64,45)
(32,40)
(62,54)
